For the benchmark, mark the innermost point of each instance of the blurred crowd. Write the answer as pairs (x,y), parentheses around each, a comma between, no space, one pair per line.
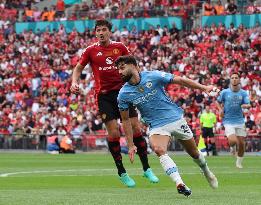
(35,68)
(9,10)
(35,71)
(230,8)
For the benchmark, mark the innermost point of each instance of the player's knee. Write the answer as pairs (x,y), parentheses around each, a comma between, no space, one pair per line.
(114,134)
(159,150)
(241,143)
(232,140)
(136,128)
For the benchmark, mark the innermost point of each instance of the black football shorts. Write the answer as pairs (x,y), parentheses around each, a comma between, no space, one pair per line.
(207,132)
(108,106)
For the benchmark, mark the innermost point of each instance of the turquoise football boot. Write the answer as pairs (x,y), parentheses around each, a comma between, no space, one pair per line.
(126,180)
(151,176)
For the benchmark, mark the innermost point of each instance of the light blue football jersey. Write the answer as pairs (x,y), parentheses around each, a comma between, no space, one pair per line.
(150,98)
(232,102)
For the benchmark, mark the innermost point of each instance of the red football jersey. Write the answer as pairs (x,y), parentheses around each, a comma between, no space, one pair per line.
(101,60)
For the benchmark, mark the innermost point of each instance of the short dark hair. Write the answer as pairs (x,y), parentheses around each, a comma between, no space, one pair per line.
(103,22)
(128,59)
(235,73)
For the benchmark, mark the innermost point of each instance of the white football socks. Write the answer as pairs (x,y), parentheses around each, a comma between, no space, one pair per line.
(239,162)
(201,162)
(170,168)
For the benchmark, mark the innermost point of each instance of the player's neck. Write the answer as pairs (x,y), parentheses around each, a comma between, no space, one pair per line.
(235,88)
(135,80)
(105,43)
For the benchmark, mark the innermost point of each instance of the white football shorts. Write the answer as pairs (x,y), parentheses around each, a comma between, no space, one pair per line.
(238,130)
(178,129)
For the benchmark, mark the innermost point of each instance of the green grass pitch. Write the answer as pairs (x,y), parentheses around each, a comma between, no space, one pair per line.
(90,179)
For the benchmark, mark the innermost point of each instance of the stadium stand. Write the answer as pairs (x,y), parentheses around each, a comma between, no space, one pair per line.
(35,68)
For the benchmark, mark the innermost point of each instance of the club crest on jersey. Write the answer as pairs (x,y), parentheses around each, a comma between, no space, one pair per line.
(115,51)
(141,89)
(109,60)
(99,54)
(148,84)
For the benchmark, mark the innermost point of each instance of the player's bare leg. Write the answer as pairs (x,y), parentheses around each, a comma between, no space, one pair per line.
(241,151)
(141,145)
(159,144)
(115,149)
(233,143)
(191,149)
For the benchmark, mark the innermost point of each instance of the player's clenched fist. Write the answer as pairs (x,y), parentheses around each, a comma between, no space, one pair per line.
(75,88)
(212,90)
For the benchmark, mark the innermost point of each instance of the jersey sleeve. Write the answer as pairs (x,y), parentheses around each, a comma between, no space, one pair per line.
(246,98)
(163,78)
(85,57)
(220,98)
(122,103)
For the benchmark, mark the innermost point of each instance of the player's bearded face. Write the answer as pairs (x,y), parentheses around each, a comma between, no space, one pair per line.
(103,33)
(125,72)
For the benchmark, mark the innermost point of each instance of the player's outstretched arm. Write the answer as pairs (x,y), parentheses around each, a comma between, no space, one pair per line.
(75,77)
(126,123)
(195,85)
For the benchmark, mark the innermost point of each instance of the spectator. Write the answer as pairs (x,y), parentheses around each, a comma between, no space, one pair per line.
(53,145)
(36,14)
(208,8)
(160,30)
(45,14)
(124,32)
(155,40)
(36,85)
(231,8)
(219,8)
(174,31)
(249,123)
(244,80)
(29,14)
(51,14)
(66,146)
(60,8)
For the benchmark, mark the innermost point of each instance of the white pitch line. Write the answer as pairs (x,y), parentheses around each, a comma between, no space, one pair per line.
(52,171)
(99,172)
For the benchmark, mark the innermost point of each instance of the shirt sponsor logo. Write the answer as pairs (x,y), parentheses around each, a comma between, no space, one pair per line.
(145,98)
(109,60)
(108,68)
